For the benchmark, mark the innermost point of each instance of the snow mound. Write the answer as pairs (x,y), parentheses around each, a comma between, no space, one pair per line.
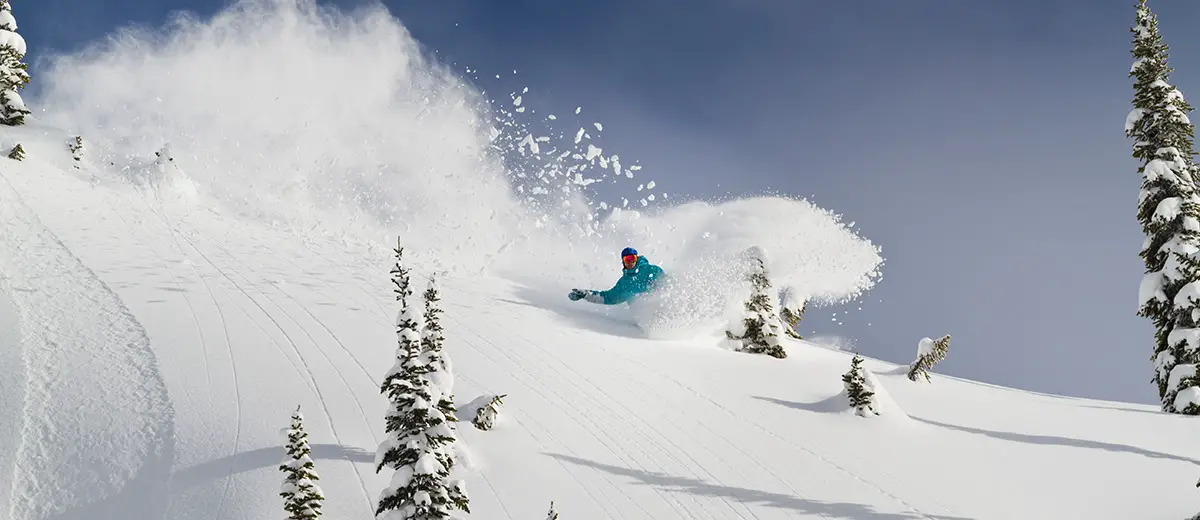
(884,405)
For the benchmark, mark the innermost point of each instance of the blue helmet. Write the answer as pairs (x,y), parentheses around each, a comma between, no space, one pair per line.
(628,251)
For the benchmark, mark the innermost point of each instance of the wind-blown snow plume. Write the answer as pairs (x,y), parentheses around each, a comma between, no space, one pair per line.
(377,141)
(810,253)
(374,134)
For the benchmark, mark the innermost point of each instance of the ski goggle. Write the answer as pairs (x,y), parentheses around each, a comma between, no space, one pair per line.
(629,259)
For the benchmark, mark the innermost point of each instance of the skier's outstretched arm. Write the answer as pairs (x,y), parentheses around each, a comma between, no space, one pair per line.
(620,293)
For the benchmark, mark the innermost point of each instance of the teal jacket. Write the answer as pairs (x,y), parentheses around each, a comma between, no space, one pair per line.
(642,278)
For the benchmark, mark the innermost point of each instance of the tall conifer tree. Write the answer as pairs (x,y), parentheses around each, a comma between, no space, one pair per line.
(1169,212)
(13,72)
(419,437)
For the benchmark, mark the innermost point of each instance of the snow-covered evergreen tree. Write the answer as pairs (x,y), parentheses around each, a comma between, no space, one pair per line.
(419,437)
(76,147)
(408,322)
(553,514)
(759,328)
(1169,212)
(929,352)
(485,416)
(13,73)
(433,342)
(791,309)
(17,153)
(301,495)
(862,396)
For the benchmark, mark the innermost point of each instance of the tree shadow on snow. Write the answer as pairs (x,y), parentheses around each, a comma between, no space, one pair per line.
(833,404)
(1135,410)
(261,458)
(580,314)
(829,509)
(1050,440)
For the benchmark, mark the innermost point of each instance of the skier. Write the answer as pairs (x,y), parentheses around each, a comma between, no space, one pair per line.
(638,276)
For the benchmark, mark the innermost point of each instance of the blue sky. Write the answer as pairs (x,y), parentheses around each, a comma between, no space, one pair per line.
(979,143)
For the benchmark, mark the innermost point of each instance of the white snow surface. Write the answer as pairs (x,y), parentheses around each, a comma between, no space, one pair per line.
(161,319)
(882,402)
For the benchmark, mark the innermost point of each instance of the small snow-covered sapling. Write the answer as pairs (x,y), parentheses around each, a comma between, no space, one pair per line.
(929,352)
(17,153)
(760,325)
(301,494)
(862,397)
(76,147)
(485,416)
(790,312)
(553,514)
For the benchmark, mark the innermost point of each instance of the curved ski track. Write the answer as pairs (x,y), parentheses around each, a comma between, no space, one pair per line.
(98,432)
(227,271)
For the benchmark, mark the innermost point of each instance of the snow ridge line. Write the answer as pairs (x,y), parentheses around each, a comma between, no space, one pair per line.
(98,434)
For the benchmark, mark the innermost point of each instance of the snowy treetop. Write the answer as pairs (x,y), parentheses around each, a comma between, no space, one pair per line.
(1147,24)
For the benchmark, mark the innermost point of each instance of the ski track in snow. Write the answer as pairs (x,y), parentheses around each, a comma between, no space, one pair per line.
(233,368)
(175,228)
(231,294)
(175,280)
(312,340)
(97,435)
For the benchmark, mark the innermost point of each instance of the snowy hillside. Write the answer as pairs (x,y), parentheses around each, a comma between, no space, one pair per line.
(218,254)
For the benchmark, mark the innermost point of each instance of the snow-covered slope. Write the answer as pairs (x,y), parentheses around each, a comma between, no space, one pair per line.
(161,317)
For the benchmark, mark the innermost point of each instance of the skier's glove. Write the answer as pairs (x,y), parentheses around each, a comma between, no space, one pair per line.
(577,294)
